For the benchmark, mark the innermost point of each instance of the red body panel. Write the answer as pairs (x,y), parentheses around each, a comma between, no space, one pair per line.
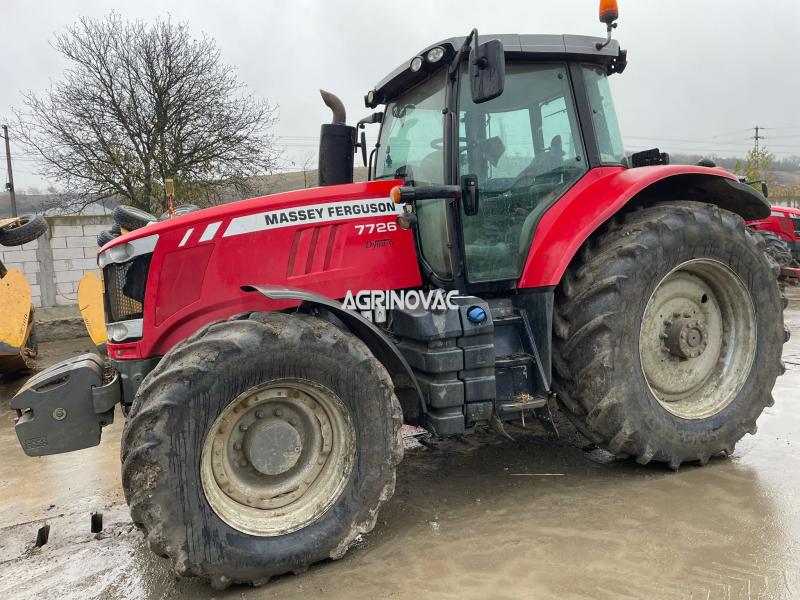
(780,222)
(586,206)
(202,259)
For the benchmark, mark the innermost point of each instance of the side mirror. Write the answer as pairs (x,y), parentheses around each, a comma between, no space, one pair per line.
(765,189)
(487,71)
(362,143)
(469,194)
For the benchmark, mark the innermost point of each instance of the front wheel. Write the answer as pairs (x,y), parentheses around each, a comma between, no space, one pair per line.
(669,334)
(259,446)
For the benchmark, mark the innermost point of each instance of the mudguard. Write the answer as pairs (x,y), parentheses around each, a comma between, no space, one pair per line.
(603,192)
(381,346)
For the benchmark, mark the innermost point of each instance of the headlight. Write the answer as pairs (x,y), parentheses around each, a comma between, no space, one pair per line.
(120,253)
(117,331)
(124,252)
(435,54)
(416,64)
(124,330)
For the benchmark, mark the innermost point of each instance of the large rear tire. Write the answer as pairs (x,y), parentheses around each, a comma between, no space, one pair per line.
(259,446)
(669,334)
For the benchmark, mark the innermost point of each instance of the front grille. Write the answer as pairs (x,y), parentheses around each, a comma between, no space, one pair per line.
(125,285)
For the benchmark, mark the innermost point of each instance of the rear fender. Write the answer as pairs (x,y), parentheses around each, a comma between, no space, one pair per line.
(377,341)
(607,191)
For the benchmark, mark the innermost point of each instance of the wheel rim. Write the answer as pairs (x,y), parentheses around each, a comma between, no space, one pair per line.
(278,457)
(697,340)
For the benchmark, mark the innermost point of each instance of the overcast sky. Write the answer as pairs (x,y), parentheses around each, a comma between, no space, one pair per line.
(700,72)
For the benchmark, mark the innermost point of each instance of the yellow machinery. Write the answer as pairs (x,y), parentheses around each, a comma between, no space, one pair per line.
(90,303)
(18,347)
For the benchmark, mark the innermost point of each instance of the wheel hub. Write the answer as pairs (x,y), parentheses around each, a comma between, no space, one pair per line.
(273,447)
(685,337)
(697,338)
(277,457)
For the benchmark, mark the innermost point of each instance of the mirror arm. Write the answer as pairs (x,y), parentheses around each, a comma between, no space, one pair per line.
(453,69)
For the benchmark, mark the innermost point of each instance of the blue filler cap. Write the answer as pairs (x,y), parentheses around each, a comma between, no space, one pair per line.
(476,314)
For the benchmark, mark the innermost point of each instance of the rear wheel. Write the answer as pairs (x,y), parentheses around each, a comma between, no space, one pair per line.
(669,334)
(130,217)
(259,446)
(26,229)
(776,248)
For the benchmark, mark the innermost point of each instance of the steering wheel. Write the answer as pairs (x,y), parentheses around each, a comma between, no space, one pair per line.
(438,144)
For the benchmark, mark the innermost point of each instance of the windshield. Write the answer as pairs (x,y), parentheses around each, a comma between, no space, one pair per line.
(411,136)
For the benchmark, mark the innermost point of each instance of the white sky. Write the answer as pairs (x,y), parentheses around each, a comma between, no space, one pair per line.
(700,71)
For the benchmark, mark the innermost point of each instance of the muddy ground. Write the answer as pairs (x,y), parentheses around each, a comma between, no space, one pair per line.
(539,517)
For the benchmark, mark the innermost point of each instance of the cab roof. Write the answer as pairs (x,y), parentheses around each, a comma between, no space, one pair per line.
(516,47)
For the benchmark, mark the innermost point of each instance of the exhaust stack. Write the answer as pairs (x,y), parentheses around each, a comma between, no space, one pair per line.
(337,145)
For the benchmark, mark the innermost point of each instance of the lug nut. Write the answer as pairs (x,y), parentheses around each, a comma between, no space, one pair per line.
(278,412)
(243,427)
(293,421)
(243,463)
(237,446)
(259,414)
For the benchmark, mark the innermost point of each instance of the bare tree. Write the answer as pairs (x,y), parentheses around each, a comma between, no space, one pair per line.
(140,103)
(309,170)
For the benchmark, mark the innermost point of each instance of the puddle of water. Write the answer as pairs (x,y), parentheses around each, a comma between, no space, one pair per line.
(479,518)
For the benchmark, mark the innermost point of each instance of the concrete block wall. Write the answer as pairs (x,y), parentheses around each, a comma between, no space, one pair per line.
(55,263)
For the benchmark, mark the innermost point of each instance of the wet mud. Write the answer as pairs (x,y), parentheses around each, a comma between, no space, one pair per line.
(482,517)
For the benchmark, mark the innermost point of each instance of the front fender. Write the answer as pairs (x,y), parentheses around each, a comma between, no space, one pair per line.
(378,342)
(605,191)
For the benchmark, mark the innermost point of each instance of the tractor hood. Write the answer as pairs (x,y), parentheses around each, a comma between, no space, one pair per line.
(170,278)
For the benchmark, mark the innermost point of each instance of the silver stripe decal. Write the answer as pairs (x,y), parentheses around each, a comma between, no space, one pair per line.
(211,231)
(186,237)
(312,213)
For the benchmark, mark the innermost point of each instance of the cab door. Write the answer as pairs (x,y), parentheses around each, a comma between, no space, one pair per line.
(526,150)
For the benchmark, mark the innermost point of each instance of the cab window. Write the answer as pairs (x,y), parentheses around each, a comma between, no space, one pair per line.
(525,148)
(604,116)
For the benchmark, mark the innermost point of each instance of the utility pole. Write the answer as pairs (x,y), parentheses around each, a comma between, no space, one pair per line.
(10,184)
(758,137)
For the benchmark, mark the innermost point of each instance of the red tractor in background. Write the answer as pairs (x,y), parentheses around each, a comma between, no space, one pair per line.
(781,234)
(264,415)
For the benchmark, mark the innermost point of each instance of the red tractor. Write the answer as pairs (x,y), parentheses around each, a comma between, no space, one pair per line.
(504,259)
(781,234)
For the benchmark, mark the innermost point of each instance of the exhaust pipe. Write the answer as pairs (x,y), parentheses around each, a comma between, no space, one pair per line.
(337,145)
(336,105)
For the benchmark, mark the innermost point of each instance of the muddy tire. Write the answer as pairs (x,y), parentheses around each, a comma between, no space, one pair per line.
(250,371)
(104,237)
(130,218)
(776,248)
(26,230)
(669,287)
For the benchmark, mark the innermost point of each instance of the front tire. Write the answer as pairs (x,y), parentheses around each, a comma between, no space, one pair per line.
(669,334)
(205,471)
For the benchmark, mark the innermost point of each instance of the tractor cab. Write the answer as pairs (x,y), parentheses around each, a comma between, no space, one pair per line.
(508,126)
